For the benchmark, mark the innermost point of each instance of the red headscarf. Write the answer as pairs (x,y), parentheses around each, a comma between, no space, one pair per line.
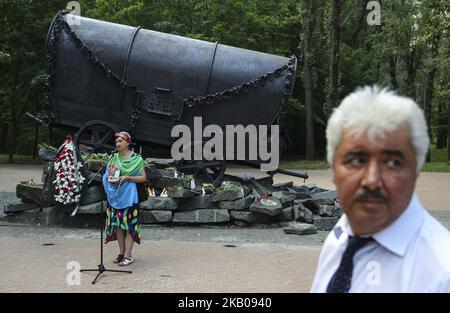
(124,135)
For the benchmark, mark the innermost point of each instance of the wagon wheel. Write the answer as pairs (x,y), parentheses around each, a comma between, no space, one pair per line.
(96,136)
(206,171)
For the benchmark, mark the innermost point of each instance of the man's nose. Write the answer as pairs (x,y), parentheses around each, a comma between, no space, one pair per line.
(372,176)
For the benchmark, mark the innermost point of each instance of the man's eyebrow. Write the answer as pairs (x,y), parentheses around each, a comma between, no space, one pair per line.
(354,153)
(394,153)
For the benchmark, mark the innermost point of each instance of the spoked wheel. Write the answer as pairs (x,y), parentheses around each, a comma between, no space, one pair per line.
(96,137)
(211,172)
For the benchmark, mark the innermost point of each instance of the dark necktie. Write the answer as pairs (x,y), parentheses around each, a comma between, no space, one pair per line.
(342,278)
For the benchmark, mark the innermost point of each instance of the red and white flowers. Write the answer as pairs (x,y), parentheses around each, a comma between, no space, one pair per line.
(69,181)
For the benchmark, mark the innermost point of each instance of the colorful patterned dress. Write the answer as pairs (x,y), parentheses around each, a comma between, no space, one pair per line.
(127,219)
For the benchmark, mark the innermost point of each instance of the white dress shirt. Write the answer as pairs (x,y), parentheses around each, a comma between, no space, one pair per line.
(410,255)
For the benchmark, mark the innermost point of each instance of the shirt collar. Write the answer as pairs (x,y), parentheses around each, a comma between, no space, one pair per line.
(396,236)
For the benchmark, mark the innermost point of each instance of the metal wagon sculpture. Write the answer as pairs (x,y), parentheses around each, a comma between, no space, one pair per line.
(105,77)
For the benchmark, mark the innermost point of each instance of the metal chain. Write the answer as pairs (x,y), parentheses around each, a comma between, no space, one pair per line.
(59,25)
(247,86)
(287,89)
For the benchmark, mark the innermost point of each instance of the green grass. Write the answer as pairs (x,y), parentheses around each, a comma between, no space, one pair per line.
(435,167)
(304,165)
(438,162)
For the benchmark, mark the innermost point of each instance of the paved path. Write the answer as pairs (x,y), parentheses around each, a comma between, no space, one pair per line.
(40,265)
(175,259)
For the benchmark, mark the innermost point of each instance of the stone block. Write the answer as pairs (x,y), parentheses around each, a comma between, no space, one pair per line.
(250,217)
(330,211)
(181,193)
(286,198)
(159,203)
(286,214)
(198,202)
(325,197)
(169,182)
(300,228)
(161,163)
(228,194)
(325,223)
(46,154)
(155,216)
(269,206)
(34,194)
(93,194)
(283,186)
(19,207)
(201,216)
(304,214)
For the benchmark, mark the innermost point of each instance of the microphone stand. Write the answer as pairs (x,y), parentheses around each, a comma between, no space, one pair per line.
(101,267)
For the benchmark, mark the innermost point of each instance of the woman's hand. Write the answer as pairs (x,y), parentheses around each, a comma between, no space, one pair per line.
(124,179)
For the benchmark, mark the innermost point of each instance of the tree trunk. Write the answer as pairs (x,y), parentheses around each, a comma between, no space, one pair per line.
(3,136)
(392,72)
(441,135)
(13,118)
(334,56)
(309,112)
(448,108)
(411,70)
(360,24)
(428,99)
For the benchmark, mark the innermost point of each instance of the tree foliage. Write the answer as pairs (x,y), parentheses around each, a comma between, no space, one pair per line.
(405,52)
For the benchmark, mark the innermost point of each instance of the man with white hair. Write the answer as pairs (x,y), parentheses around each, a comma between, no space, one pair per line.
(385,241)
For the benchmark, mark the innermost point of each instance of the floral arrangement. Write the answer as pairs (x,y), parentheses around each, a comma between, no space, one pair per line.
(69,181)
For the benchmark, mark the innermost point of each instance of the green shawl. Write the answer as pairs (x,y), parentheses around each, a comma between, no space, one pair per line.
(128,167)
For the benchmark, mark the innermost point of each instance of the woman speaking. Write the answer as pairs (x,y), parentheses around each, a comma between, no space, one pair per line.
(123,171)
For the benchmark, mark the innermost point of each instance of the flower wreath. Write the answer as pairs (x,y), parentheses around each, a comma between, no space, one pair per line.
(69,181)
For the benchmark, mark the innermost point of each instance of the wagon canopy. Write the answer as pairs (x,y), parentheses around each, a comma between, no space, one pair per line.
(146,81)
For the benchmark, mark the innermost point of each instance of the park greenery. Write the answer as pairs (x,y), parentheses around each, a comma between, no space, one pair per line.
(337,46)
